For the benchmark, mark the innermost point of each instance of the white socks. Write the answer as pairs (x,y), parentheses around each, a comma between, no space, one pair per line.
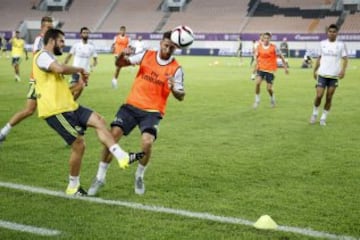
(117,152)
(324,115)
(140,171)
(315,110)
(74,181)
(272,98)
(257,98)
(101,173)
(6,129)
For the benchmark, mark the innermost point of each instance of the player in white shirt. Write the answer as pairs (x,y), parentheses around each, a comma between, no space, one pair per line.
(83,51)
(139,45)
(329,68)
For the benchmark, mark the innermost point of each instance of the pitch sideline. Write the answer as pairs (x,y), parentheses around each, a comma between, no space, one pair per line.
(179,212)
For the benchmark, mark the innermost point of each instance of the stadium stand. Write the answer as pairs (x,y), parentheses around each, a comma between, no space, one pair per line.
(207,16)
(13,12)
(282,24)
(296,16)
(351,23)
(211,16)
(302,4)
(82,13)
(134,15)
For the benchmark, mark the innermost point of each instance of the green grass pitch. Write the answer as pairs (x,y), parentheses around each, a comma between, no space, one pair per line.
(214,154)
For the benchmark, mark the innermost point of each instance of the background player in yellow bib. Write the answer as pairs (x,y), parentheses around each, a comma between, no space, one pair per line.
(30,104)
(18,50)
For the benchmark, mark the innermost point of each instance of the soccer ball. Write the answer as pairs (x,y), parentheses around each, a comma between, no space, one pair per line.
(182,36)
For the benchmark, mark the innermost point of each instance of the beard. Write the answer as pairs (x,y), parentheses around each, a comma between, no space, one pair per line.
(85,39)
(57,51)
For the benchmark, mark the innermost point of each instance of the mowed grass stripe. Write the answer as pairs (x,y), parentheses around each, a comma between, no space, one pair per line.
(179,212)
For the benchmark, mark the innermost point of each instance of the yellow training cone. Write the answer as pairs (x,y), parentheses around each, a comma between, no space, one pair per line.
(265,222)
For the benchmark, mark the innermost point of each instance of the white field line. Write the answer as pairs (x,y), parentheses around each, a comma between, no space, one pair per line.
(179,212)
(28,228)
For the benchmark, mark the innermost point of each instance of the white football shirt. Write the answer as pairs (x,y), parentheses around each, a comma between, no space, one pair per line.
(82,53)
(38,44)
(331,55)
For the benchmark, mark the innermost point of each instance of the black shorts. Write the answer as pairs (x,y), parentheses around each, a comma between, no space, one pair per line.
(31,92)
(15,61)
(268,77)
(128,117)
(70,124)
(324,82)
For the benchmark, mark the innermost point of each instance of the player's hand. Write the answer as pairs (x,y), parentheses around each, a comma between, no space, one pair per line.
(84,77)
(342,74)
(114,83)
(315,75)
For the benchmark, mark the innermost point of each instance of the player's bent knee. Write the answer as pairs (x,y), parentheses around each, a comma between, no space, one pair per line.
(78,144)
(148,137)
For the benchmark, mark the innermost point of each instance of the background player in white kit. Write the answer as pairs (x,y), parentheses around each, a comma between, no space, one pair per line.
(329,67)
(139,45)
(83,51)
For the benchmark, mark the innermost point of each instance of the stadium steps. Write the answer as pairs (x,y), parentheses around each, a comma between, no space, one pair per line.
(313,25)
(105,15)
(162,22)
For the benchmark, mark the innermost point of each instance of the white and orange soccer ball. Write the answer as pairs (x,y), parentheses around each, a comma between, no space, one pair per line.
(182,36)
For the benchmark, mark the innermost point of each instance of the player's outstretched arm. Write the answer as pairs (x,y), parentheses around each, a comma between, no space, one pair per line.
(65,69)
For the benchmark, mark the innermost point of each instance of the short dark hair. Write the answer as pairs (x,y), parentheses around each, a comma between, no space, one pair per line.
(46,19)
(267,34)
(122,27)
(167,35)
(333,26)
(52,33)
(84,28)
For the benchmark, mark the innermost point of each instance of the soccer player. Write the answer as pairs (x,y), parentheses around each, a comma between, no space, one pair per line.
(239,50)
(121,41)
(57,106)
(307,60)
(329,67)
(17,51)
(284,48)
(30,105)
(266,54)
(82,51)
(159,75)
(3,48)
(139,45)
